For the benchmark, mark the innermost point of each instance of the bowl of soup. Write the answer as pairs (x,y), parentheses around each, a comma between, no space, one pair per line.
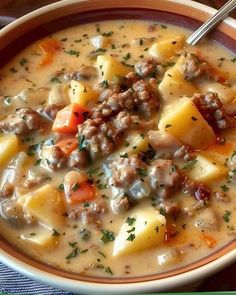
(118,154)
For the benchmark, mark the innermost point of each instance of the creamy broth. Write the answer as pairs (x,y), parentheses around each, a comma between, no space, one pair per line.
(201,214)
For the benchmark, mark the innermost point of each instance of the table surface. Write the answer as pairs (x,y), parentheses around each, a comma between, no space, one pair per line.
(222,281)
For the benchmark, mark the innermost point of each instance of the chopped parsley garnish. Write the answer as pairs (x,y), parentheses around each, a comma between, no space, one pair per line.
(72,244)
(190,164)
(82,143)
(125,155)
(107,236)
(127,56)
(162,211)
(64,39)
(23,61)
(101,253)
(61,187)
(168,125)
(55,79)
(131,237)
(108,270)
(131,230)
(227,216)
(163,26)
(233,60)
(37,162)
(73,254)
(130,220)
(104,84)
(55,233)
(102,186)
(32,149)
(142,171)
(73,52)
(224,188)
(75,187)
(109,34)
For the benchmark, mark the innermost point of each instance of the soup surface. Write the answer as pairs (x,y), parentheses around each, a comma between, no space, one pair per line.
(118,153)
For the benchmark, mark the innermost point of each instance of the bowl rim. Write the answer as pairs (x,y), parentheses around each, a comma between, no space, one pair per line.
(96,288)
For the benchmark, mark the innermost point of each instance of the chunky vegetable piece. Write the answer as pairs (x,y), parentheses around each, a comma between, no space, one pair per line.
(77,188)
(82,94)
(45,205)
(9,146)
(165,49)
(59,95)
(183,120)
(206,169)
(68,145)
(69,118)
(174,85)
(42,238)
(109,67)
(149,226)
(49,48)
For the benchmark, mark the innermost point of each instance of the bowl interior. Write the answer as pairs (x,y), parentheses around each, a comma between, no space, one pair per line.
(60,16)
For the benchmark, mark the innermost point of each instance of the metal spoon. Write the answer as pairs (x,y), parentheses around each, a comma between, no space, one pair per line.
(221,14)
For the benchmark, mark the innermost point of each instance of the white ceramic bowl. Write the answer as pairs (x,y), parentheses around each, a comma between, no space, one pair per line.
(15,36)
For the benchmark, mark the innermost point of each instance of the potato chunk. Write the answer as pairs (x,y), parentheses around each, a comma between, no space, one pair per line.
(226,94)
(41,237)
(206,169)
(183,120)
(59,95)
(9,146)
(82,94)
(109,67)
(147,231)
(165,49)
(45,205)
(174,85)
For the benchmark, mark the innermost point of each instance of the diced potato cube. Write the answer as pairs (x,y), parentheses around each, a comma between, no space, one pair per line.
(165,49)
(45,205)
(100,41)
(183,120)
(9,146)
(82,94)
(42,238)
(109,67)
(135,143)
(206,169)
(174,85)
(147,231)
(59,95)
(226,94)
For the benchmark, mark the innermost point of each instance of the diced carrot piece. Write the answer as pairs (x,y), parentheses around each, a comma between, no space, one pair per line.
(223,149)
(84,192)
(209,240)
(69,118)
(68,145)
(49,47)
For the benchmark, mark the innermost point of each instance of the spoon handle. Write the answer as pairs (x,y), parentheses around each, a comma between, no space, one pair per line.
(221,14)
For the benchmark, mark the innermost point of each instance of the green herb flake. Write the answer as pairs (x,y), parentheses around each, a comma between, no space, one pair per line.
(73,254)
(61,187)
(73,52)
(109,34)
(108,270)
(75,187)
(190,164)
(131,237)
(37,162)
(227,216)
(55,233)
(104,84)
(108,236)
(82,143)
(163,27)
(23,61)
(142,171)
(127,56)
(233,60)
(130,220)
(224,188)
(102,186)
(55,80)
(102,254)
(125,155)
(162,211)
(72,244)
